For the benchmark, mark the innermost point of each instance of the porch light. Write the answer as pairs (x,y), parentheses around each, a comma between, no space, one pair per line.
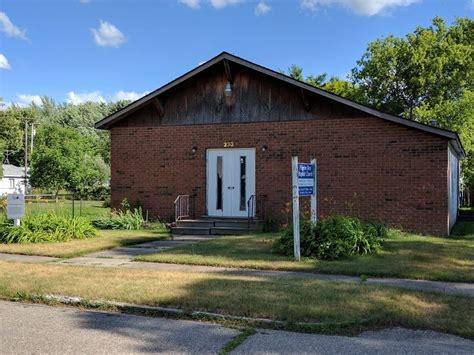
(264,148)
(228,89)
(194,149)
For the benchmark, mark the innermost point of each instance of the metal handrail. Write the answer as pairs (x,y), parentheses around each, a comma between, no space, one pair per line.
(251,209)
(181,207)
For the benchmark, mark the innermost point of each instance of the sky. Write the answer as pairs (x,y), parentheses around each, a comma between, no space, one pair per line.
(104,50)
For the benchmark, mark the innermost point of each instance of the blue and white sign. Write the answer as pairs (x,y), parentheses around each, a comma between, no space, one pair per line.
(306,179)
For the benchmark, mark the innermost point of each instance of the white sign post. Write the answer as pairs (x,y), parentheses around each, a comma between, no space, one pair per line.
(314,217)
(15,207)
(296,209)
(304,184)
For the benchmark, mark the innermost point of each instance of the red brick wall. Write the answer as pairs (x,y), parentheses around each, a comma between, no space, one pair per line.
(367,167)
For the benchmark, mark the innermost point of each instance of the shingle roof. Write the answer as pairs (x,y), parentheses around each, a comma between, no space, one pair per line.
(108,121)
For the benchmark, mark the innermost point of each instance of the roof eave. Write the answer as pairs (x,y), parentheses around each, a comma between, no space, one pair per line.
(106,122)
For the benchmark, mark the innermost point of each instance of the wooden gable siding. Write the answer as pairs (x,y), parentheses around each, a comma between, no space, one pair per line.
(256,98)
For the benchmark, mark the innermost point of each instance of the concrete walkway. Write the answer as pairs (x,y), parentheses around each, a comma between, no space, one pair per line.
(122,257)
(26,258)
(40,329)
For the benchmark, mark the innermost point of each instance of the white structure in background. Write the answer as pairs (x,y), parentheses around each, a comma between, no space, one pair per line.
(13,179)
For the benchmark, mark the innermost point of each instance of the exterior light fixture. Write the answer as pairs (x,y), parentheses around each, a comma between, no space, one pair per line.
(228,89)
(264,148)
(194,149)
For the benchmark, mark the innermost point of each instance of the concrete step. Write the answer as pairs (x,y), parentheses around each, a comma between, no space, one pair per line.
(236,224)
(466,216)
(216,226)
(195,223)
(228,231)
(191,230)
(212,218)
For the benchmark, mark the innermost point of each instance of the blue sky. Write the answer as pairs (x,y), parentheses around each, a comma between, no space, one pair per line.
(79,50)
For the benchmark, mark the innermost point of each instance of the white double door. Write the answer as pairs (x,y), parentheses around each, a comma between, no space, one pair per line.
(230,181)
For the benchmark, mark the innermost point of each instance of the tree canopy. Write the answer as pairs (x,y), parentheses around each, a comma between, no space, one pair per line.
(426,75)
(69,153)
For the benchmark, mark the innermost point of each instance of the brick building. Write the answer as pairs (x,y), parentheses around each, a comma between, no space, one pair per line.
(226,131)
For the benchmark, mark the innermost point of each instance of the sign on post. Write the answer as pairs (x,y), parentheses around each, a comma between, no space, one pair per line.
(304,184)
(15,207)
(305,179)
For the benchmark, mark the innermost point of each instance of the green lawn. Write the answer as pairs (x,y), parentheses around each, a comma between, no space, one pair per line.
(340,307)
(87,209)
(403,255)
(106,239)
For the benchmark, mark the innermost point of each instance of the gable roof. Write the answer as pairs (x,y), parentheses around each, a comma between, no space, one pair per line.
(110,120)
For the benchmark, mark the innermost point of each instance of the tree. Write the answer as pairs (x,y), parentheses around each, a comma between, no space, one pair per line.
(90,175)
(82,118)
(457,115)
(429,66)
(64,159)
(335,85)
(344,88)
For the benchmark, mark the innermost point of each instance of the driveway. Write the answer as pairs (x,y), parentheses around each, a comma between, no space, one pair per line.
(27,328)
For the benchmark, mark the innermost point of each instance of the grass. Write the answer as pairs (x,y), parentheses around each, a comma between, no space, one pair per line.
(403,255)
(285,299)
(88,209)
(106,239)
(236,341)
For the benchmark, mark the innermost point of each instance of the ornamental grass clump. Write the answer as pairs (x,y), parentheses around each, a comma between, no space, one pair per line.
(129,219)
(333,238)
(46,227)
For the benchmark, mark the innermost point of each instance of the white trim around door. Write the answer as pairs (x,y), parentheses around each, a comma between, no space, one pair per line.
(230,181)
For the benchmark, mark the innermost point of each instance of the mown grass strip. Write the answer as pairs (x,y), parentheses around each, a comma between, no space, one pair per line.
(106,239)
(321,306)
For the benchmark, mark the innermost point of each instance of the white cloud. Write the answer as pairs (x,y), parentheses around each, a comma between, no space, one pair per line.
(79,98)
(128,95)
(4,62)
(220,4)
(360,7)
(193,4)
(470,4)
(262,8)
(25,99)
(10,29)
(108,35)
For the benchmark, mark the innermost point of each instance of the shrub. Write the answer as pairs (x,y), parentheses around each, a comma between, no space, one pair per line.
(128,219)
(106,203)
(3,203)
(47,227)
(333,238)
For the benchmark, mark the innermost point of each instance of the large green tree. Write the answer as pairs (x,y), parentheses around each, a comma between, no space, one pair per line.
(12,124)
(427,67)
(64,159)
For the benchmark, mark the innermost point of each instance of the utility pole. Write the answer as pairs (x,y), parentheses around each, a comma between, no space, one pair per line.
(33,133)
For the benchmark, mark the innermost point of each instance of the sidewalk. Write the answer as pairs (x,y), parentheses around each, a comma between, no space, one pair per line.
(34,328)
(122,257)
